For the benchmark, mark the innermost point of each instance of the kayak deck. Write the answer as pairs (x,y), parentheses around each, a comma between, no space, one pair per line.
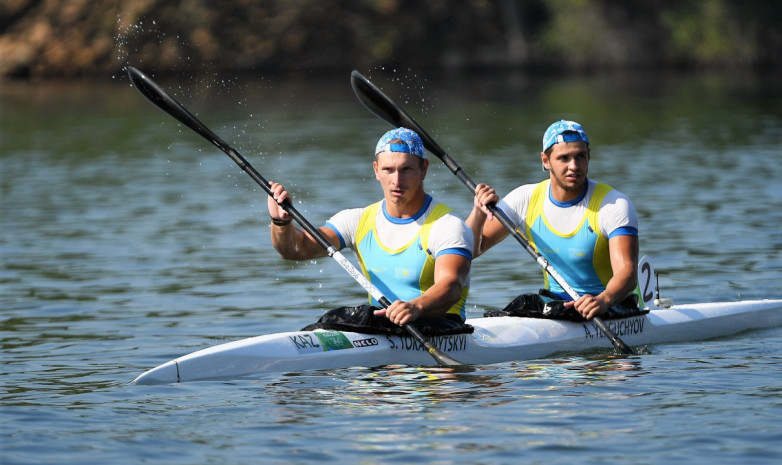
(495,340)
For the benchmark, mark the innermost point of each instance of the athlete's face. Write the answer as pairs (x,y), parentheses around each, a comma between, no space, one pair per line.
(401,176)
(568,163)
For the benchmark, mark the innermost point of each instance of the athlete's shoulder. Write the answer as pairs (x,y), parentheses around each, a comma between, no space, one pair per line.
(612,196)
(450,231)
(348,213)
(522,193)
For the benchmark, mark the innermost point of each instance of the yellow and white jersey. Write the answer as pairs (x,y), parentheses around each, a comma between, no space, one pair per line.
(397,254)
(573,236)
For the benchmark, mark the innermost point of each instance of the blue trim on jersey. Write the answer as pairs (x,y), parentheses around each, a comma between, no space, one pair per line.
(624,231)
(456,251)
(395,220)
(572,202)
(341,239)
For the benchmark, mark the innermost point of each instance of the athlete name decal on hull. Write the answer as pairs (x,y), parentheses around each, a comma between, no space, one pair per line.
(625,327)
(451,343)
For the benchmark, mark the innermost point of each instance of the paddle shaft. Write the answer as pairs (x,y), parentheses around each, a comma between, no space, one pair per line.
(165,102)
(379,104)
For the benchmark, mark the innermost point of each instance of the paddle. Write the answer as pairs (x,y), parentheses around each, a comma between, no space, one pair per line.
(379,104)
(165,102)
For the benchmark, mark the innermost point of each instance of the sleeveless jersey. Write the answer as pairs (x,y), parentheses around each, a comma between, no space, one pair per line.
(581,255)
(409,269)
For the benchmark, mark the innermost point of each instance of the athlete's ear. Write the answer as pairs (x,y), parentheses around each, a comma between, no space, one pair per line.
(374,168)
(424,167)
(544,161)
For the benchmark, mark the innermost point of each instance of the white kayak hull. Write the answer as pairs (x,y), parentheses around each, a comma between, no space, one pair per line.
(495,340)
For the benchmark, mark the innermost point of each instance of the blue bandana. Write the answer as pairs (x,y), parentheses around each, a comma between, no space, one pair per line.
(401,140)
(564,131)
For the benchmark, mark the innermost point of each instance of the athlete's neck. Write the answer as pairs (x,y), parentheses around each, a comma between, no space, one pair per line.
(403,208)
(567,197)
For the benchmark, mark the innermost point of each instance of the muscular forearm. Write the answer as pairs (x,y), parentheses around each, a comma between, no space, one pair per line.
(438,299)
(475,222)
(616,290)
(624,263)
(624,260)
(484,195)
(290,243)
(451,273)
(619,287)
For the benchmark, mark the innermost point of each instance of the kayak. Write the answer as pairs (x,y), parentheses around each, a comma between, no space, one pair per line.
(495,340)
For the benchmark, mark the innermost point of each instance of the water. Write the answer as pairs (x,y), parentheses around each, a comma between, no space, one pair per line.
(127,240)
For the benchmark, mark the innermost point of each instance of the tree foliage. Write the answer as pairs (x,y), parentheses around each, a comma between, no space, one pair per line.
(95,37)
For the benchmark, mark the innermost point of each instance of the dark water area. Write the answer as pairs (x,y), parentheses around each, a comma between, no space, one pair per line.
(127,240)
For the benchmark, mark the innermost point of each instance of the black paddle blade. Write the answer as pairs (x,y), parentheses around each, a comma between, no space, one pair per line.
(165,102)
(378,103)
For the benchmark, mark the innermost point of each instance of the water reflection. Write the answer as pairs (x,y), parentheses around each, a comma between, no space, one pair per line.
(387,389)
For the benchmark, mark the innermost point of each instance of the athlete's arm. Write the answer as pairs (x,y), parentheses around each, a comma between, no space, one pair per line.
(291,242)
(487,230)
(623,251)
(450,274)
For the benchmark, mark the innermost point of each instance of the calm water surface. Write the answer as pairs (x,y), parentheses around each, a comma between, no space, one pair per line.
(127,241)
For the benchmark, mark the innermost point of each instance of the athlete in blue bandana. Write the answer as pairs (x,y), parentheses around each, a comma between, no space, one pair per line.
(585,229)
(411,247)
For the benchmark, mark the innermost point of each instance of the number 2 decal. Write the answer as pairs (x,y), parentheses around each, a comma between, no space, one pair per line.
(645,275)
